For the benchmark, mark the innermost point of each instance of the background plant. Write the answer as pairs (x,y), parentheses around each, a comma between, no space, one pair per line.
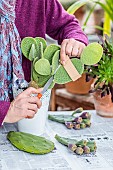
(108,12)
(103,71)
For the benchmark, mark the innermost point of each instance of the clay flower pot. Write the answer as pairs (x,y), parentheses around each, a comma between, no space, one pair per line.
(79,86)
(104,105)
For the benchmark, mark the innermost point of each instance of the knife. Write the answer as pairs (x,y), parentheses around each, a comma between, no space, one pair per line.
(45,88)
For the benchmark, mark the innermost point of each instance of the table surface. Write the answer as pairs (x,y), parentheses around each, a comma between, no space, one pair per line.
(61,158)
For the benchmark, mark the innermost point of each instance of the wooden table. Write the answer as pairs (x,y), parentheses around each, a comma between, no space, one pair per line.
(67,101)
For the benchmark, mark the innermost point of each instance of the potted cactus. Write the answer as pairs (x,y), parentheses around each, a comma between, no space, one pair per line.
(45,63)
(103,86)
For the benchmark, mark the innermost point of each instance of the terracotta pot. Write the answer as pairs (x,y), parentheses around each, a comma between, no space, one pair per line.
(104,105)
(79,86)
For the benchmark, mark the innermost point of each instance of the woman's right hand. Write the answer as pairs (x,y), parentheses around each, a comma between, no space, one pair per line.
(24,106)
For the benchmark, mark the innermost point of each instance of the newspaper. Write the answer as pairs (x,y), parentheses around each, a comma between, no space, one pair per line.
(61,158)
(101,131)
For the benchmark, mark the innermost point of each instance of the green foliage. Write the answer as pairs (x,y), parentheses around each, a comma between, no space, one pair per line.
(103,70)
(30,143)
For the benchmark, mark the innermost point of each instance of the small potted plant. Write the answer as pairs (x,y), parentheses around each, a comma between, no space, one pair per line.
(103,86)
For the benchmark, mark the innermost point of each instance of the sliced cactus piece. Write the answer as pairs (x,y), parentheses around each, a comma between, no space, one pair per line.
(78,110)
(92,54)
(30,143)
(79,143)
(62,77)
(38,40)
(42,66)
(65,141)
(61,118)
(55,61)
(27,48)
(50,51)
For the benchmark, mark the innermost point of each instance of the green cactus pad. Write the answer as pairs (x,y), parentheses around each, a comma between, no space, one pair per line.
(30,143)
(34,76)
(55,61)
(61,118)
(92,54)
(26,45)
(42,80)
(38,40)
(62,77)
(32,53)
(42,67)
(52,85)
(50,51)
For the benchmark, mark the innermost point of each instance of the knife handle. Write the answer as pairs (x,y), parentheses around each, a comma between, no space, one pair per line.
(39,95)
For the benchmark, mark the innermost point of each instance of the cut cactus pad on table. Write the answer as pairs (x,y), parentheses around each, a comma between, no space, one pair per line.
(92,54)
(72,122)
(77,146)
(30,143)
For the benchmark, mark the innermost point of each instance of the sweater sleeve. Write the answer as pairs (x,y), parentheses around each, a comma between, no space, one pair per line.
(60,25)
(4,106)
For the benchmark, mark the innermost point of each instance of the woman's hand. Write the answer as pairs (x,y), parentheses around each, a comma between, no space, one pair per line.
(23,106)
(72,48)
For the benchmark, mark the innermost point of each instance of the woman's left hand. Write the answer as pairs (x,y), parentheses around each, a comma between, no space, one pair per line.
(72,48)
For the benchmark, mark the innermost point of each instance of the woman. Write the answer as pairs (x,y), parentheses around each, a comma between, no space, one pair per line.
(37,18)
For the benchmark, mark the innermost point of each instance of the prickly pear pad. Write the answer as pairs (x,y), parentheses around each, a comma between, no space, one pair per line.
(62,77)
(26,45)
(30,143)
(92,54)
(50,51)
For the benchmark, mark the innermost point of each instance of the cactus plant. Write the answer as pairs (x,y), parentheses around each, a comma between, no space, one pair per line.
(30,143)
(42,66)
(46,60)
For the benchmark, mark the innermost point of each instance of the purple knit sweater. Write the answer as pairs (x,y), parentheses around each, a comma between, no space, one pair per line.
(40,17)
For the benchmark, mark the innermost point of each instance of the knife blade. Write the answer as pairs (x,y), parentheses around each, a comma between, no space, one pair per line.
(45,88)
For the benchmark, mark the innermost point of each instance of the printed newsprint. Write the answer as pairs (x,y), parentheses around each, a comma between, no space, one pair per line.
(61,158)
